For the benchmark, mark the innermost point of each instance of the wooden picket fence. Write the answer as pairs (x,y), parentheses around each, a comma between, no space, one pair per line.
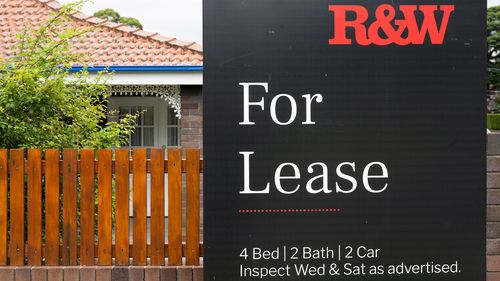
(44,174)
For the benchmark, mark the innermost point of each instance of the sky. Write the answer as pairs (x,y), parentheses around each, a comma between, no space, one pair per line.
(173,18)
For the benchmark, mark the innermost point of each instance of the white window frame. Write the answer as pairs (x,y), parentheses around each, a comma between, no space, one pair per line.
(160,108)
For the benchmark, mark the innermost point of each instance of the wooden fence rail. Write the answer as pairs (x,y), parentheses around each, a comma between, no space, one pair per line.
(56,208)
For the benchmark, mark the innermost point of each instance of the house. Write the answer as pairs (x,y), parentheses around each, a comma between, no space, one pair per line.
(159,74)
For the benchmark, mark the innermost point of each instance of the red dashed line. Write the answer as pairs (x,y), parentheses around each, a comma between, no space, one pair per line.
(323,210)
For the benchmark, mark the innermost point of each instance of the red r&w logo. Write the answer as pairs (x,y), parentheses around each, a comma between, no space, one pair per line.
(386,29)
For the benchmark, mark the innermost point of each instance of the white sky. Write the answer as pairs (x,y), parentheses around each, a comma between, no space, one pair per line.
(174,18)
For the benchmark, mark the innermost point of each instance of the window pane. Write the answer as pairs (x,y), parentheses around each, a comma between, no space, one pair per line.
(172,119)
(173,136)
(148,115)
(136,137)
(148,137)
(123,110)
(134,110)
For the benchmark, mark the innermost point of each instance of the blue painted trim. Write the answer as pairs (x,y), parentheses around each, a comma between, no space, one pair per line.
(142,68)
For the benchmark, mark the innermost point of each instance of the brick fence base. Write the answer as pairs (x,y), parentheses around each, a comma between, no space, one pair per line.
(101,273)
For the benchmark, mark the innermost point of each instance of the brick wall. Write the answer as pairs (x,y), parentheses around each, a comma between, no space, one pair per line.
(493,208)
(102,273)
(192,117)
(191,133)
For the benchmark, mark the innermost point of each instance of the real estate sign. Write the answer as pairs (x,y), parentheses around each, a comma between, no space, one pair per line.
(344,140)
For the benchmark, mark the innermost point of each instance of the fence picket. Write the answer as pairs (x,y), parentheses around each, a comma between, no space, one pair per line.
(16,169)
(122,200)
(52,181)
(69,254)
(34,207)
(3,206)
(19,245)
(87,217)
(157,207)
(104,201)
(192,206)
(174,207)
(139,206)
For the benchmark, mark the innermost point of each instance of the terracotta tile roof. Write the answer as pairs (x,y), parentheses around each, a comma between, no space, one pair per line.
(107,43)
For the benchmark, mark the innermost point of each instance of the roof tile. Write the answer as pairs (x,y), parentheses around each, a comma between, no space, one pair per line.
(125,28)
(95,20)
(143,33)
(106,43)
(80,16)
(54,5)
(162,38)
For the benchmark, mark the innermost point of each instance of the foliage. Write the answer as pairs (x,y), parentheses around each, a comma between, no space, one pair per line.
(493,121)
(493,39)
(108,14)
(132,22)
(114,16)
(43,105)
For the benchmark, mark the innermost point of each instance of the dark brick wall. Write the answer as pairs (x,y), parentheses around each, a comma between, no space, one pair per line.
(101,273)
(493,208)
(192,116)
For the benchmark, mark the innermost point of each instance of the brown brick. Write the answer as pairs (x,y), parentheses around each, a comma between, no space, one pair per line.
(187,97)
(136,273)
(492,213)
(493,230)
(7,273)
(38,274)
(102,273)
(195,124)
(168,274)
(493,180)
(198,273)
(189,112)
(119,273)
(188,138)
(493,163)
(493,263)
(152,274)
(184,274)
(22,274)
(87,273)
(190,144)
(198,124)
(493,246)
(190,118)
(493,197)
(71,273)
(189,106)
(493,144)
(55,274)
(190,131)
(493,276)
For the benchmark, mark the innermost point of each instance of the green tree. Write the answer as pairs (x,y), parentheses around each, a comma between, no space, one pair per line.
(114,16)
(493,39)
(108,14)
(132,22)
(43,105)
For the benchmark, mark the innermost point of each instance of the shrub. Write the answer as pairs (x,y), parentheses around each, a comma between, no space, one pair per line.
(43,105)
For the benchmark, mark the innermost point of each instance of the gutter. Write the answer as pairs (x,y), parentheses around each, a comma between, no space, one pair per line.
(141,68)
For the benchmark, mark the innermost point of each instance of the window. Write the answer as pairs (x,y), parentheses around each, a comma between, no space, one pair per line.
(144,130)
(158,124)
(173,128)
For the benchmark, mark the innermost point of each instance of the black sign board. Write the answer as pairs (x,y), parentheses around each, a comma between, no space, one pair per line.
(344,140)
